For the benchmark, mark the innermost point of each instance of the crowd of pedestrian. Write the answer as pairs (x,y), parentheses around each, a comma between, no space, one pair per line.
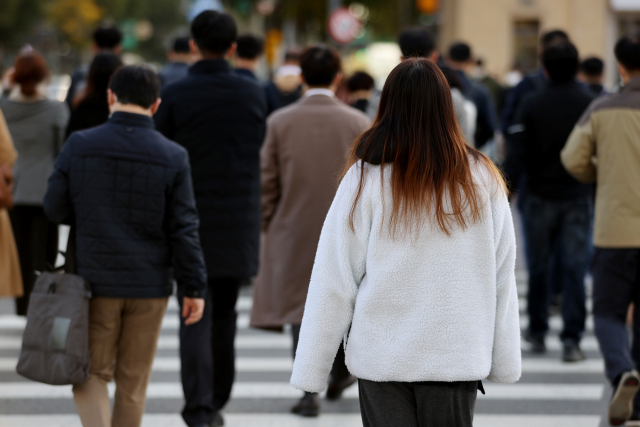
(386,271)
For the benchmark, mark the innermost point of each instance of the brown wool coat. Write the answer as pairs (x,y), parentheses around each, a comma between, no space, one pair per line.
(10,276)
(306,147)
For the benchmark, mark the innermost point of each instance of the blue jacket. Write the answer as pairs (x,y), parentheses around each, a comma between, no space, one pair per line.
(127,189)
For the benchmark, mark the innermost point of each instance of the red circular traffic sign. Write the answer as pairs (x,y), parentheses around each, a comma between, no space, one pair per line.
(343,27)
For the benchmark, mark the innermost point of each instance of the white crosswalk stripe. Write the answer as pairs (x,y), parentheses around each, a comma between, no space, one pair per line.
(264,365)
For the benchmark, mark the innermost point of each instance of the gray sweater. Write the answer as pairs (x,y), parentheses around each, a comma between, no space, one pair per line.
(37,129)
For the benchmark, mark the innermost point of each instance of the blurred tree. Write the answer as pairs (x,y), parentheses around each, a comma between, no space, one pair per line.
(75,19)
(17,18)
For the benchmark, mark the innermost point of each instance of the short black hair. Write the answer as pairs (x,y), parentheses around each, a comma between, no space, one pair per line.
(360,81)
(181,45)
(107,37)
(627,52)
(320,65)
(135,84)
(561,62)
(214,32)
(293,53)
(553,37)
(592,67)
(249,46)
(416,43)
(460,52)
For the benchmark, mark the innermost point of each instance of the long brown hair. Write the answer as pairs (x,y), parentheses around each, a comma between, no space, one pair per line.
(417,132)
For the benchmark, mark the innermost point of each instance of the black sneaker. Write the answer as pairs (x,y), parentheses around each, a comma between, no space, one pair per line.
(308,406)
(571,352)
(537,343)
(621,406)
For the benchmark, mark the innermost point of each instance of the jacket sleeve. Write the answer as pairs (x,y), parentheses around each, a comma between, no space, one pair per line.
(577,154)
(506,362)
(270,176)
(188,261)
(486,118)
(57,201)
(517,139)
(338,270)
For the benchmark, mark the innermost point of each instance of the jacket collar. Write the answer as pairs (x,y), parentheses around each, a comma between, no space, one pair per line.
(132,119)
(210,66)
(632,86)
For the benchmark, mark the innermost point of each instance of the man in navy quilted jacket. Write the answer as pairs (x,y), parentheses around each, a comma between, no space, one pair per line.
(127,190)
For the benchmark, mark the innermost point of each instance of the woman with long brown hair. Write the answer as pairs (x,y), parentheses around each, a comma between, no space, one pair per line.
(415,267)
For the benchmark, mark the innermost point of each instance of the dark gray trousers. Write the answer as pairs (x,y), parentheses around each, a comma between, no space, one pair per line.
(419,404)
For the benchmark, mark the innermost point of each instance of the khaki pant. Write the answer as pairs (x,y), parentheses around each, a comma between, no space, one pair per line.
(123,336)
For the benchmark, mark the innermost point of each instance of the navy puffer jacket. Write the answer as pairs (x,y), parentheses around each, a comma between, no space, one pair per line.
(128,191)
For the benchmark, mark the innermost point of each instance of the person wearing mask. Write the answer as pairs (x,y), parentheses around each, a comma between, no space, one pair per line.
(592,75)
(105,39)
(360,86)
(419,219)
(180,59)
(558,209)
(285,88)
(300,159)
(92,109)
(128,250)
(10,274)
(604,148)
(248,55)
(219,117)
(419,43)
(37,126)
(460,60)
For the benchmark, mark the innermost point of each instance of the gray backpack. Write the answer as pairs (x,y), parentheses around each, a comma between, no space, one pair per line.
(55,343)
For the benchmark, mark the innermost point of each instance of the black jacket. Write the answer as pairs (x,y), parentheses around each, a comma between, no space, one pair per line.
(219,117)
(542,126)
(89,113)
(128,191)
(485,120)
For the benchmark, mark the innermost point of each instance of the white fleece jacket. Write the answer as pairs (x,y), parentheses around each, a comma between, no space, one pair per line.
(428,307)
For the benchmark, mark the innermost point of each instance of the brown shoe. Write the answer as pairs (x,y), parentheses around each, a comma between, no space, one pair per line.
(334,392)
(308,406)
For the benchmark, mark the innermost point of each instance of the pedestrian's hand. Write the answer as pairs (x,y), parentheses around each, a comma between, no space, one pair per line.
(192,309)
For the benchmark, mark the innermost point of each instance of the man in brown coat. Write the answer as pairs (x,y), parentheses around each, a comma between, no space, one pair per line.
(306,147)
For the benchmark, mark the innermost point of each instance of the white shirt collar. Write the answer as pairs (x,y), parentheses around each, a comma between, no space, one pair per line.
(319,91)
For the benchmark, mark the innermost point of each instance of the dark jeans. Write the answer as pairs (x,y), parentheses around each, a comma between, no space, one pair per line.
(423,404)
(339,371)
(37,244)
(616,284)
(563,228)
(207,352)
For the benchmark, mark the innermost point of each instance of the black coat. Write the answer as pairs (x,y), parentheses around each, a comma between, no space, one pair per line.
(89,113)
(219,117)
(540,130)
(128,190)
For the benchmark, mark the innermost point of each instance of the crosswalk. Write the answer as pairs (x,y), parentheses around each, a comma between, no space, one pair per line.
(551,393)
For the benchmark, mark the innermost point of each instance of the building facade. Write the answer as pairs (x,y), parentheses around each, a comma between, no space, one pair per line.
(505,32)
